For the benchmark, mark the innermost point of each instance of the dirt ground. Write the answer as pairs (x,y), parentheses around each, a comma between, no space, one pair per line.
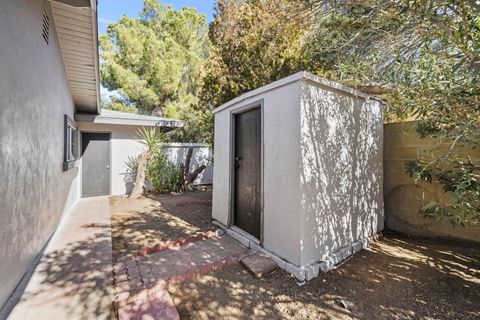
(158,218)
(396,278)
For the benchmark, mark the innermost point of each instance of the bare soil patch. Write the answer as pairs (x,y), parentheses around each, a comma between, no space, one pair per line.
(138,223)
(396,278)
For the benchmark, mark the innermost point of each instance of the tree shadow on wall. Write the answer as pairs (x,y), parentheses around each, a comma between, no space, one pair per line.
(200,156)
(341,172)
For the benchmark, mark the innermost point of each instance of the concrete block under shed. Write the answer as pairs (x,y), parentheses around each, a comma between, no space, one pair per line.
(258,264)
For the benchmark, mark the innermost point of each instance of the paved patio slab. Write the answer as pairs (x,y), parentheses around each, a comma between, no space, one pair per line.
(141,282)
(178,262)
(73,279)
(258,264)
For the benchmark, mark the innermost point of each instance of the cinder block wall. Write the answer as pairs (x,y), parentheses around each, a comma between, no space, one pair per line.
(403,198)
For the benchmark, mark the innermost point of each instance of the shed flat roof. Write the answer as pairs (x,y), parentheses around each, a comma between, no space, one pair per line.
(303,75)
(128,119)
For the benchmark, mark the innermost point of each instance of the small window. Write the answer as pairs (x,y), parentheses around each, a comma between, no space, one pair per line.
(70,144)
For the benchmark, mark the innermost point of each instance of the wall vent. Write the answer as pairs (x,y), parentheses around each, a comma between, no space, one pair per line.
(46,26)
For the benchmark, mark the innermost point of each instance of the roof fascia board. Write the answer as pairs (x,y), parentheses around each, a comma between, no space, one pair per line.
(96,119)
(261,90)
(76,3)
(93,4)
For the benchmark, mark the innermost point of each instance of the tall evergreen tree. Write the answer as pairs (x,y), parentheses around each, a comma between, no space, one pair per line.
(155,61)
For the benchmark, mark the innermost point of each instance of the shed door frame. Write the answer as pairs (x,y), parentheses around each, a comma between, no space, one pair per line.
(109,160)
(234,111)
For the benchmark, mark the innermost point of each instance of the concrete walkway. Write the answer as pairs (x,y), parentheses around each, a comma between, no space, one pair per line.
(77,279)
(73,279)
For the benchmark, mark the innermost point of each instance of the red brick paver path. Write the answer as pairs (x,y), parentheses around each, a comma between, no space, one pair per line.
(74,278)
(178,242)
(141,282)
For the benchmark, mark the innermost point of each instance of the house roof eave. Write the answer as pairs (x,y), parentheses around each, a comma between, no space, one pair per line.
(109,117)
(76,26)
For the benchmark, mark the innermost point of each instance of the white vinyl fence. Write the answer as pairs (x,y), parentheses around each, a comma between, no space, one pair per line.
(202,154)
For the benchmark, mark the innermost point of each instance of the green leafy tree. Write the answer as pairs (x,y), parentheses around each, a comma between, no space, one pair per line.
(116,103)
(198,127)
(422,56)
(154,61)
(253,43)
(429,53)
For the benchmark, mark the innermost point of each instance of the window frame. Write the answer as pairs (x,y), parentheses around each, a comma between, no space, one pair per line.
(70,143)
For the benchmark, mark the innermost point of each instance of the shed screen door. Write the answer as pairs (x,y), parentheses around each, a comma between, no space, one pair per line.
(247,168)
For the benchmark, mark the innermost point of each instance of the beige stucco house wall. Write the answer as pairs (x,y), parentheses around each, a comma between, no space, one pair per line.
(322,171)
(49,71)
(34,97)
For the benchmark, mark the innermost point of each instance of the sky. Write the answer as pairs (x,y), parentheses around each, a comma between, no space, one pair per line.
(111,10)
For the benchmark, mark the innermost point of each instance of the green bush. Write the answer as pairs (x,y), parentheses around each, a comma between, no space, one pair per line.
(162,173)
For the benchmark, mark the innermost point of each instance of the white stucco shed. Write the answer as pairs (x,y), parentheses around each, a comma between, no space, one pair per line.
(298,171)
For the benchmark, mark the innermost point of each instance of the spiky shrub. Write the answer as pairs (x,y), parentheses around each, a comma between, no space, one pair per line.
(132,167)
(150,138)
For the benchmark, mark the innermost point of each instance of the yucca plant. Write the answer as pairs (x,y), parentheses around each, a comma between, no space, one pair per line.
(132,166)
(152,139)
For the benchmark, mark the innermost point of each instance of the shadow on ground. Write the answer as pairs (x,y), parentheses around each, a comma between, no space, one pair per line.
(73,282)
(397,278)
(158,218)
